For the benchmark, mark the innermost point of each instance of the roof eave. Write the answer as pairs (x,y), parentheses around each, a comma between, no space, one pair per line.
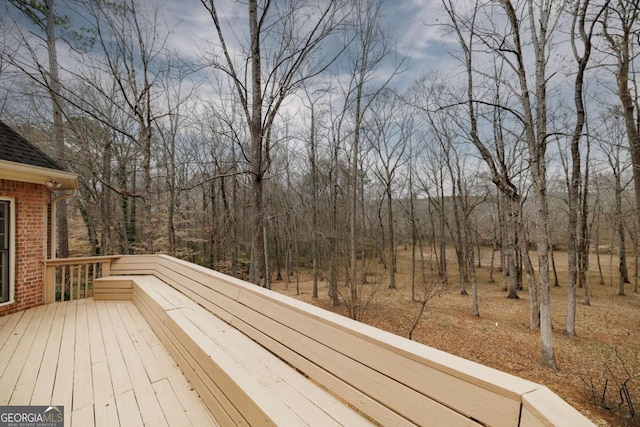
(51,178)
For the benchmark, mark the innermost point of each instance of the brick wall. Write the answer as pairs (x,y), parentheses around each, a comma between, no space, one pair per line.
(31,204)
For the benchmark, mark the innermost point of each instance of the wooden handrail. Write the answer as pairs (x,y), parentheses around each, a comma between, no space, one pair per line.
(72,278)
(81,260)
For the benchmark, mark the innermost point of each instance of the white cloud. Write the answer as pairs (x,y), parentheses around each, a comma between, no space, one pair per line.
(418,27)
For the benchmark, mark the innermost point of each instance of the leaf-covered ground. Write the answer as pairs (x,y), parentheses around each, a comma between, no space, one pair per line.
(599,371)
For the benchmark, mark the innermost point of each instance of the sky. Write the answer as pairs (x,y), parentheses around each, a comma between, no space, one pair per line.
(414,23)
(417,26)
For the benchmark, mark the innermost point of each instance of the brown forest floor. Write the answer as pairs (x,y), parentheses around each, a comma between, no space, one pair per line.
(602,361)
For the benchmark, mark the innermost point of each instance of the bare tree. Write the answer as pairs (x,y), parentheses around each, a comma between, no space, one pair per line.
(368,47)
(446,157)
(389,126)
(121,70)
(620,22)
(177,92)
(284,40)
(432,286)
(534,22)
(431,176)
(541,24)
(313,98)
(334,179)
(581,30)
(497,159)
(611,144)
(43,16)
(585,227)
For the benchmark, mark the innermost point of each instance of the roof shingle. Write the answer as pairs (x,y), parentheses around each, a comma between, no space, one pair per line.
(15,148)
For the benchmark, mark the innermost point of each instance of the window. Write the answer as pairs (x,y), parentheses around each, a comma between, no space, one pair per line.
(6,287)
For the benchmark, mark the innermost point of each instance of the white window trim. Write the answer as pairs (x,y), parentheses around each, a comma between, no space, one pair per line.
(12,249)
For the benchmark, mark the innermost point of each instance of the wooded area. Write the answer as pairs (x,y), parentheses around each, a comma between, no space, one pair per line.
(292,138)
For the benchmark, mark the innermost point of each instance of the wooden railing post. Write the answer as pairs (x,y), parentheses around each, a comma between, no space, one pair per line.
(49,283)
(106,268)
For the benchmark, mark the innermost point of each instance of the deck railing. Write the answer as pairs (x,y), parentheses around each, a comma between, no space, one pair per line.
(72,278)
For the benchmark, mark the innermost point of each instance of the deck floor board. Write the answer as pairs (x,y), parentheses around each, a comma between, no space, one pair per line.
(101,361)
(27,381)
(9,378)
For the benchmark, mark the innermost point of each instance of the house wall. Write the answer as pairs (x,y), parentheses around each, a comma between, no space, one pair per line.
(31,206)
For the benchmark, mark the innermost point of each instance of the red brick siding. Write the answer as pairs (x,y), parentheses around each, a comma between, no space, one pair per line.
(31,207)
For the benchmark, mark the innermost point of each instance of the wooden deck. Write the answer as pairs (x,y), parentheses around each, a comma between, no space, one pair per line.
(98,359)
(101,359)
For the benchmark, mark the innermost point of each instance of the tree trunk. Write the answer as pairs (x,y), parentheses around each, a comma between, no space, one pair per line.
(515,226)
(58,125)
(536,137)
(534,297)
(584,280)
(556,283)
(210,220)
(353,283)
(147,231)
(622,247)
(382,247)
(258,262)
(443,244)
(635,270)
(392,241)
(354,184)
(171,183)
(233,221)
(573,247)
(267,272)
(622,270)
(363,230)
(314,205)
(106,247)
(414,240)
(460,234)
(471,267)
(335,232)
(333,278)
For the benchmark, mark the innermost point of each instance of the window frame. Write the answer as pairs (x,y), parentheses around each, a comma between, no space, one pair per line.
(12,249)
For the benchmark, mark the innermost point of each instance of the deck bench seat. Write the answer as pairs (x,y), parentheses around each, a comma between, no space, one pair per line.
(240,381)
(113,288)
